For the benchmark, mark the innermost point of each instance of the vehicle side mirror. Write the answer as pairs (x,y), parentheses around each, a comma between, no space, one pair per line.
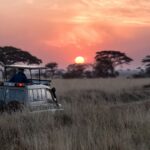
(53,89)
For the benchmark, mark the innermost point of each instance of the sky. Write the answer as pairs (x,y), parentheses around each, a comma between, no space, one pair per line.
(60,30)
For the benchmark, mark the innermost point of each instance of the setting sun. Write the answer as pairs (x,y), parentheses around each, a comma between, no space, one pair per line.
(79,60)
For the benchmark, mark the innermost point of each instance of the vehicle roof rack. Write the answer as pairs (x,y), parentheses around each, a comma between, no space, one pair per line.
(25,67)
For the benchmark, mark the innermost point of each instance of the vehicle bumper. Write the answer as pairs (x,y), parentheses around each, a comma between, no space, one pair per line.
(45,108)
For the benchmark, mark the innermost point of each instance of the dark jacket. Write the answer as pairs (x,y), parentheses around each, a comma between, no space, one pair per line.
(20,77)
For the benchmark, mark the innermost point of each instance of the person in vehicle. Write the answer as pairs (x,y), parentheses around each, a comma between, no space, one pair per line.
(19,77)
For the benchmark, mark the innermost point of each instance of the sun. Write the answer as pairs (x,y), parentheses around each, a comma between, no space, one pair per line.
(79,60)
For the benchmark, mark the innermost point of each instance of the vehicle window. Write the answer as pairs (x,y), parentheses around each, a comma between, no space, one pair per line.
(43,92)
(30,93)
(48,94)
(35,95)
(39,94)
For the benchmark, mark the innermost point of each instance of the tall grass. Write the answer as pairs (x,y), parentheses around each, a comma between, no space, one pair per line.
(99,114)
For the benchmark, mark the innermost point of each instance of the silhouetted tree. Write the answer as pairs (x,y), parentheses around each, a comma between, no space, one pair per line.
(106,61)
(11,55)
(140,73)
(75,71)
(53,67)
(88,73)
(59,73)
(146,62)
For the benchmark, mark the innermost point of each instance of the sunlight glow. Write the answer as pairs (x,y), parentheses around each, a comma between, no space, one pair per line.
(79,60)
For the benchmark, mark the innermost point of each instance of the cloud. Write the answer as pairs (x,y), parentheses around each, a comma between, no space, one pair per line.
(30,1)
(73,26)
(83,11)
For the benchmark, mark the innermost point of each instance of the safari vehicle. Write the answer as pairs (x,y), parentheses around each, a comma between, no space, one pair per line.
(36,95)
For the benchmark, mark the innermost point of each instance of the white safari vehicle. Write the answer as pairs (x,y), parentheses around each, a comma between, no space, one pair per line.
(36,95)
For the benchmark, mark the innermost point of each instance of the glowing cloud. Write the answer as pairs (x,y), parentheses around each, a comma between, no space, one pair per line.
(73,28)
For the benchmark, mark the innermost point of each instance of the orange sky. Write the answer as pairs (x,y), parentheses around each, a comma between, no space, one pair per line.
(60,30)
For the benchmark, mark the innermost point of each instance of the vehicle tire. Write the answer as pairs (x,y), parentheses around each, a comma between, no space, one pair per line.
(14,106)
(2,106)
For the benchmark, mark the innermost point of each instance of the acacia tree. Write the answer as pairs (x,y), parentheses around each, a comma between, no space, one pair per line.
(75,70)
(11,55)
(146,62)
(106,61)
(53,67)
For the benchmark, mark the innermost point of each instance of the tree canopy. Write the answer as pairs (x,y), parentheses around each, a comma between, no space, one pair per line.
(106,61)
(10,55)
(146,62)
(75,70)
(53,67)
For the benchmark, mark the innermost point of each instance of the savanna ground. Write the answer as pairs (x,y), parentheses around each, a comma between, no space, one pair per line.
(99,114)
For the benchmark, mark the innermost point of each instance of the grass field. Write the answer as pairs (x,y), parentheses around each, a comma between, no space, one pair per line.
(99,114)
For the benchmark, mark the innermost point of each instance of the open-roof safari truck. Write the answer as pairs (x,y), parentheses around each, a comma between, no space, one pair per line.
(35,95)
